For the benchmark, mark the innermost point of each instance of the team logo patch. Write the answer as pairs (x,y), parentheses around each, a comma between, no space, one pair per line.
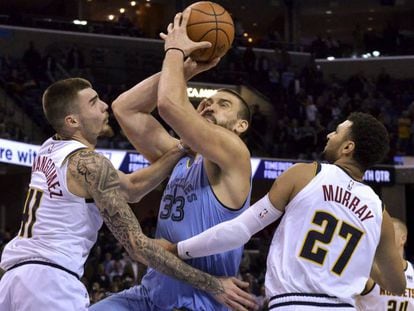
(350,185)
(263,213)
(51,148)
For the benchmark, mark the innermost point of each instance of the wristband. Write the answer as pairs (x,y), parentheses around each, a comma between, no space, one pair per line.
(178,49)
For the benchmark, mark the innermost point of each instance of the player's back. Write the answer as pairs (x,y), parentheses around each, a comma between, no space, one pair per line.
(57,227)
(378,299)
(323,249)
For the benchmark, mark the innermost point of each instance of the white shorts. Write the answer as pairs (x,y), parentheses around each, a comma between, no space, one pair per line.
(35,287)
(308,302)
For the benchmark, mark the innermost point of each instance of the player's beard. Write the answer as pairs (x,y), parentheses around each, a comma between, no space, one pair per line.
(107,131)
(328,155)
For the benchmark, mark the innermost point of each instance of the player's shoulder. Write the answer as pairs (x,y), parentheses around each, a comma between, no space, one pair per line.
(305,168)
(87,161)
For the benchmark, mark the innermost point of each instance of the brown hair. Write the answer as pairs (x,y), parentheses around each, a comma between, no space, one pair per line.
(59,100)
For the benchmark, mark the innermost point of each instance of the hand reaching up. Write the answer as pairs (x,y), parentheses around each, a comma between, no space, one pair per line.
(177,37)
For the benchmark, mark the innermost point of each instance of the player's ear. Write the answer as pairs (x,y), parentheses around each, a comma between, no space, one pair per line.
(241,126)
(348,147)
(71,121)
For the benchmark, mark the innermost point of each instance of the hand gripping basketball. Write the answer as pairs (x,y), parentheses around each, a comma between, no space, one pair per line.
(209,21)
(177,38)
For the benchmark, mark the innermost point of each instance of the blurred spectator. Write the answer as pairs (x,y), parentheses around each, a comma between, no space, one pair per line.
(33,60)
(404,133)
(75,61)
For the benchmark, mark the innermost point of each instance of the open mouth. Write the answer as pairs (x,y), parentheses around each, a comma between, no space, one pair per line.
(210,118)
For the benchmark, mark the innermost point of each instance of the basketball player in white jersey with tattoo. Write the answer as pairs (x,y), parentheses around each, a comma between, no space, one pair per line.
(332,230)
(73,189)
(377,299)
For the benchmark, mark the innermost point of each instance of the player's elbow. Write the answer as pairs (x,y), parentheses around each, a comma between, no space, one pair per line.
(117,108)
(165,106)
(399,287)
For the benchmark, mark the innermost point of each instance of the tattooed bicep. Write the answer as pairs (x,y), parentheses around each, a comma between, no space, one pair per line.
(95,171)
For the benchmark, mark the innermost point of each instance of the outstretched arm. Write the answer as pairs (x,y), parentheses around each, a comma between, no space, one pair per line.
(99,177)
(230,234)
(236,232)
(137,184)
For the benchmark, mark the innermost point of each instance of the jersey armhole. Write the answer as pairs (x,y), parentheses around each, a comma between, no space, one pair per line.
(318,167)
(367,291)
(71,154)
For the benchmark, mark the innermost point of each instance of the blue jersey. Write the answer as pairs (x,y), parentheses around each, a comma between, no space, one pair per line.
(189,207)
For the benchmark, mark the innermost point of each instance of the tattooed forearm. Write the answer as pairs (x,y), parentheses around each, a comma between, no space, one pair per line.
(102,181)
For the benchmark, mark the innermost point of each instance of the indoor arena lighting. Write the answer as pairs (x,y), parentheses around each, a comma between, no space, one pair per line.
(79,22)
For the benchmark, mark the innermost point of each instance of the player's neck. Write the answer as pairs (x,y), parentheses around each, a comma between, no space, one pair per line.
(353,170)
(84,141)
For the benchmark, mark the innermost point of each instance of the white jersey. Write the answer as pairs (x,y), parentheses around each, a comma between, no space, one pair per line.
(378,299)
(323,249)
(58,227)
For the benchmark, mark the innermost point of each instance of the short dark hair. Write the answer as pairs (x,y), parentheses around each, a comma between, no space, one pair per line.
(244,112)
(59,100)
(370,137)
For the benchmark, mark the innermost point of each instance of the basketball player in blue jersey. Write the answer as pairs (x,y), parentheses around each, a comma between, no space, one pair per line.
(206,188)
(73,189)
(378,299)
(333,229)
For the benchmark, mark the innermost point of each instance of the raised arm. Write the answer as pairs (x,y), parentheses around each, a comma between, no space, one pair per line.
(133,110)
(176,109)
(137,184)
(101,181)
(389,273)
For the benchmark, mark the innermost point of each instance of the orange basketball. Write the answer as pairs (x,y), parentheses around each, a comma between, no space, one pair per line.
(209,21)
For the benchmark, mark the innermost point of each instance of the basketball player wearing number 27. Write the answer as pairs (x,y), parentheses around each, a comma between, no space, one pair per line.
(205,188)
(333,229)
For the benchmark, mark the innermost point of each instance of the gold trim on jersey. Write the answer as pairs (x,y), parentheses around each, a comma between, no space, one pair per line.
(312,251)
(348,246)
(29,212)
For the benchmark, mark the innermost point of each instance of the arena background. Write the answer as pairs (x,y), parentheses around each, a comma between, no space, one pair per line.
(302,65)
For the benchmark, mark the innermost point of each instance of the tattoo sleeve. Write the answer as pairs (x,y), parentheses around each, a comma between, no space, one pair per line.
(102,182)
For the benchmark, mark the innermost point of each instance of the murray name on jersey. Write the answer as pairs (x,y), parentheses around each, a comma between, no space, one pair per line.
(335,193)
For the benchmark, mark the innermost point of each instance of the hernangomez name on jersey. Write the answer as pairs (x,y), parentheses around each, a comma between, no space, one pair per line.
(327,238)
(57,226)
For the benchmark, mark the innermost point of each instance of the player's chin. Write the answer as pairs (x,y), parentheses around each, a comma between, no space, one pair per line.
(106,131)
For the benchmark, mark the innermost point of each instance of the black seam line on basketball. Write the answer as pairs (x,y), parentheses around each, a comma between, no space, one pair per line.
(215,41)
(208,22)
(208,14)
(216,30)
